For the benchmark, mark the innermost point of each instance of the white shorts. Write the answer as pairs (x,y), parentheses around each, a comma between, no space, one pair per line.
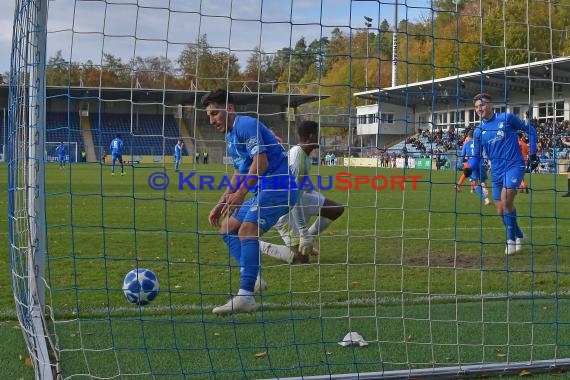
(311,202)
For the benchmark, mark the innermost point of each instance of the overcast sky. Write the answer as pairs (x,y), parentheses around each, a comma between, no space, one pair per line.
(85,30)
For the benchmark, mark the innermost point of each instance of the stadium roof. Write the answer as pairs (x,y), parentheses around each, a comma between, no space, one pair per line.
(171,97)
(549,74)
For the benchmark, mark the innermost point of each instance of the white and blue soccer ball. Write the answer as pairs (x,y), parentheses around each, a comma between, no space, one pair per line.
(140,286)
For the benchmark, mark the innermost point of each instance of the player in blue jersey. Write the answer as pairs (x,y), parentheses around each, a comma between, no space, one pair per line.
(497,137)
(61,153)
(259,161)
(178,148)
(116,148)
(477,175)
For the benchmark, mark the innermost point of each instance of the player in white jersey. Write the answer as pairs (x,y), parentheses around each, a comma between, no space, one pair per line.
(298,238)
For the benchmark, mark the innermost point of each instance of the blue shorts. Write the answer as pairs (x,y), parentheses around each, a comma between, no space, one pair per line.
(479,175)
(61,158)
(117,156)
(266,207)
(511,179)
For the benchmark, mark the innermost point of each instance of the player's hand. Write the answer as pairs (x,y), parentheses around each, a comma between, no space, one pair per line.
(233,201)
(305,244)
(467,172)
(215,214)
(534,162)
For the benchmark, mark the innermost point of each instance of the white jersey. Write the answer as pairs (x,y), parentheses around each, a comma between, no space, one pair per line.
(298,163)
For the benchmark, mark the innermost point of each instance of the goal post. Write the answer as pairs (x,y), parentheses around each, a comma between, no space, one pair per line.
(411,280)
(26,194)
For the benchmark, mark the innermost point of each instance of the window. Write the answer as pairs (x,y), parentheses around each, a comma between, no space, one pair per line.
(387,118)
(551,112)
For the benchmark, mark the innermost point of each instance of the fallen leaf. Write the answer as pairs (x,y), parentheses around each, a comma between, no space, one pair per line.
(524,373)
(501,354)
(328,353)
(28,362)
(217,334)
(261,354)
(354,282)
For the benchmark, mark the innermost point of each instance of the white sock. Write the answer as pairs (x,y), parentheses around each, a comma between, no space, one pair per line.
(243,292)
(319,225)
(280,252)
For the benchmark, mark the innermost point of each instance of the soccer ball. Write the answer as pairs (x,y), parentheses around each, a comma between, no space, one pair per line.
(140,286)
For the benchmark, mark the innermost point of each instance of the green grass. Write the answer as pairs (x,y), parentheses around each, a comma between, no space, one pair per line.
(421,274)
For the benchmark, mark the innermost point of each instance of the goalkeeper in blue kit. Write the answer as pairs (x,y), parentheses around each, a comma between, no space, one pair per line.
(497,137)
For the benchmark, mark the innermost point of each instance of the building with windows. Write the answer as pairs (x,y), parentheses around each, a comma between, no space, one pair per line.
(402,110)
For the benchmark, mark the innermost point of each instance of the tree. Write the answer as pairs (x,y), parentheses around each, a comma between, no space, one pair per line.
(206,69)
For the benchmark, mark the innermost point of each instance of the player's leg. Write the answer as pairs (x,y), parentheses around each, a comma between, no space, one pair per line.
(511,183)
(113,159)
(286,252)
(256,215)
(326,211)
(122,165)
(523,187)
(478,179)
(460,182)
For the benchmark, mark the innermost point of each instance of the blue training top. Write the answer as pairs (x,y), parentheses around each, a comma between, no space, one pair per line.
(250,137)
(498,139)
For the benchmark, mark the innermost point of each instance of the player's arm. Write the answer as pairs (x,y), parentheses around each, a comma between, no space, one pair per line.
(527,127)
(217,210)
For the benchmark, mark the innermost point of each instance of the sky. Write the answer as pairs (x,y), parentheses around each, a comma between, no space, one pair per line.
(85,29)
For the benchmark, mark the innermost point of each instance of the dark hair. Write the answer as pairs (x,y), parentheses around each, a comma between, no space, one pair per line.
(118,135)
(470,132)
(217,96)
(483,96)
(306,127)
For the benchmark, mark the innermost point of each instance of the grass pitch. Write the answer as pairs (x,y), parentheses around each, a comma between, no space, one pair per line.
(420,273)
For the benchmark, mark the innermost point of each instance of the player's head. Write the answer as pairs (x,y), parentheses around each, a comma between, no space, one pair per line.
(521,136)
(470,132)
(118,135)
(483,105)
(308,132)
(220,108)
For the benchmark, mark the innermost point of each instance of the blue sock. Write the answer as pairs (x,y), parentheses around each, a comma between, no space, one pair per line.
(249,263)
(113,167)
(518,231)
(479,191)
(234,245)
(510,219)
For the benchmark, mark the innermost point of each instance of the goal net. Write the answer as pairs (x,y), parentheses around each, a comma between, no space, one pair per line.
(411,280)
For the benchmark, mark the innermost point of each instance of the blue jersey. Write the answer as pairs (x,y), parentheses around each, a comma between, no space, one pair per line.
(498,139)
(178,150)
(116,146)
(250,137)
(60,150)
